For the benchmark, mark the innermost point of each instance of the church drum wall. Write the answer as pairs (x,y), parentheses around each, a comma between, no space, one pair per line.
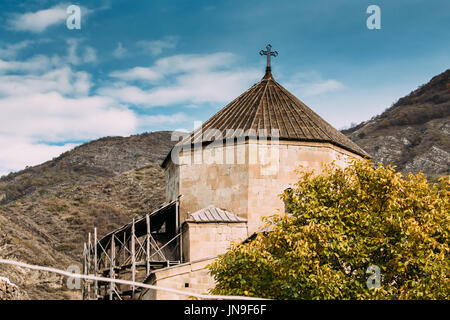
(250,189)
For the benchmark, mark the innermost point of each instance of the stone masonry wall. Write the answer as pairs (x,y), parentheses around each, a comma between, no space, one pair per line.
(268,180)
(193,277)
(251,186)
(203,240)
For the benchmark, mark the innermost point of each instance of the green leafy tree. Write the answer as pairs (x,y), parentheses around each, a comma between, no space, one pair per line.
(341,222)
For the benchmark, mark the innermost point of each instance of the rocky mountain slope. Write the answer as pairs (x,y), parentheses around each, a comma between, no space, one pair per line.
(413,134)
(102,158)
(47,211)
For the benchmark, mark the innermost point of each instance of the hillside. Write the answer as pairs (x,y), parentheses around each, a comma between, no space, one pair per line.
(48,210)
(413,134)
(102,158)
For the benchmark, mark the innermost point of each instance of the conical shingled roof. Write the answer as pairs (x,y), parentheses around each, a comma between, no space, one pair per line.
(267,105)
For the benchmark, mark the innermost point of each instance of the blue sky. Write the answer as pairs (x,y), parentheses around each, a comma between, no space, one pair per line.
(147,65)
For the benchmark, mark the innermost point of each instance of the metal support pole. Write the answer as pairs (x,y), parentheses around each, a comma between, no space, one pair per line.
(133,258)
(95,265)
(179,230)
(89,266)
(111,267)
(147,220)
(83,288)
(125,246)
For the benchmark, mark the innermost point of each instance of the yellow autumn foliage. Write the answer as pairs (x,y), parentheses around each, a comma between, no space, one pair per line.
(340,222)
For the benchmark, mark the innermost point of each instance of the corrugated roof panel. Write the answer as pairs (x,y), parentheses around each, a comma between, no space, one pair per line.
(225,216)
(213,214)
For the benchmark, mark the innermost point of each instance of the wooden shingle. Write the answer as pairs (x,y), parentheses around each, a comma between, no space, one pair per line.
(266,106)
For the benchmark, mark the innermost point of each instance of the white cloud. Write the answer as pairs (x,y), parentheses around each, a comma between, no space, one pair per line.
(74,56)
(321,87)
(120,51)
(53,117)
(220,86)
(189,79)
(37,63)
(137,73)
(177,64)
(351,104)
(152,47)
(90,55)
(195,62)
(39,21)
(17,153)
(44,101)
(312,84)
(63,80)
(192,106)
(8,51)
(156,47)
(163,119)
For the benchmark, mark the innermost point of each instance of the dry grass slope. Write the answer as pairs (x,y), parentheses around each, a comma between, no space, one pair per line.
(54,207)
(46,211)
(414,133)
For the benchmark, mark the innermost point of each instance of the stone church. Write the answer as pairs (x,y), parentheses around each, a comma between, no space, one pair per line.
(220,180)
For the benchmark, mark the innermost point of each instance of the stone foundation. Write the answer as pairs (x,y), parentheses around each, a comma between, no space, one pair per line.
(192,276)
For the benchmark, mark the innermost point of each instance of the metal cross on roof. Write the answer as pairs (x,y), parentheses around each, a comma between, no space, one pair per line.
(269,54)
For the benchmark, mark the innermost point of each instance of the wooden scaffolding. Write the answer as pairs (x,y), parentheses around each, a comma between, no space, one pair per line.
(132,252)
